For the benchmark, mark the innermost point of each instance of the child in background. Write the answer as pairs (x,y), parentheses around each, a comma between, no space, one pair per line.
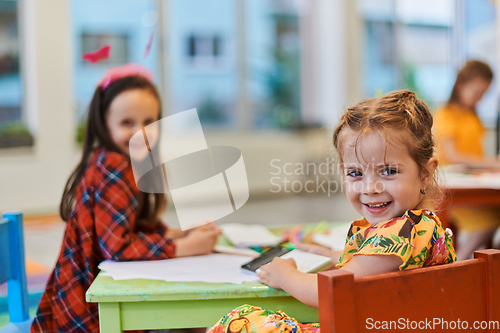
(460,133)
(386,151)
(107,216)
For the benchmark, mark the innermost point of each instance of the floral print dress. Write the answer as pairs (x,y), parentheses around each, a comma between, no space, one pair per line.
(417,237)
(253,319)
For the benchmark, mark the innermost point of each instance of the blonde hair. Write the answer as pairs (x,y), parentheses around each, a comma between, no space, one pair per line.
(402,112)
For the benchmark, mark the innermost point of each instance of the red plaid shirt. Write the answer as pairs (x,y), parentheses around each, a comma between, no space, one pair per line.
(101,226)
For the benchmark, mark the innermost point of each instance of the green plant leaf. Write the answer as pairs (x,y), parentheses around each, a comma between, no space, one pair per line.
(266,313)
(403,252)
(386,241)
(426,219)
(396,238)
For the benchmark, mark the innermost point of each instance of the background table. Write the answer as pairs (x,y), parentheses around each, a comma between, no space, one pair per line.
(467,198)
(467,191)
(154,304)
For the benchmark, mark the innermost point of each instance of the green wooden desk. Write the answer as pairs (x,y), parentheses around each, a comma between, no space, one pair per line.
(155,304)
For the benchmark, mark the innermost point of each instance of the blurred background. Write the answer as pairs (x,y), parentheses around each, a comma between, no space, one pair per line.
(270,77)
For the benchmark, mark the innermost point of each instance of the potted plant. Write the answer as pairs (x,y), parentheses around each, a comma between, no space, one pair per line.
(15,134)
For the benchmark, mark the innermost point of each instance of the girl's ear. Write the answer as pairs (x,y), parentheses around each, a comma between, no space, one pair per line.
(429,170)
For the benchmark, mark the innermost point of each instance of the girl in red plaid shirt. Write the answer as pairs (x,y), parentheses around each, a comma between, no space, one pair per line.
(107,216)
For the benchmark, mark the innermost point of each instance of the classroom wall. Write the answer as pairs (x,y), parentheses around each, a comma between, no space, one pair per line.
(32,179)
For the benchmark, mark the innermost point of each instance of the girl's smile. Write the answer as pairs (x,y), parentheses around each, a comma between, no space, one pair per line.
(382,179)
(377,208)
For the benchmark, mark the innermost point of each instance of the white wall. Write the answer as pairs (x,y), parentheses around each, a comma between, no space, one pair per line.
(32,179)
(332,63)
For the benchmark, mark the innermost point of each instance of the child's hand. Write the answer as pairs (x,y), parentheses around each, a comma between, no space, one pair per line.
(176,233)
(200,240)
(274,273)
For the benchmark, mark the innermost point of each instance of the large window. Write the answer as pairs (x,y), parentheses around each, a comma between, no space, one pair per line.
(126,25)
(421,45)
(14,131)
(274,63)
(479,41)
(203,59)
(237,62)
(409,46)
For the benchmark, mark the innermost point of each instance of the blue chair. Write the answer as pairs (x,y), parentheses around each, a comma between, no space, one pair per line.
(13,271)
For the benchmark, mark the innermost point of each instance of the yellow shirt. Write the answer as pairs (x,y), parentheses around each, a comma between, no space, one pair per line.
(463,127)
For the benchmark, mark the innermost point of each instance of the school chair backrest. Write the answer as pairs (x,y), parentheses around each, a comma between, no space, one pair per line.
(12,266)
(443,297)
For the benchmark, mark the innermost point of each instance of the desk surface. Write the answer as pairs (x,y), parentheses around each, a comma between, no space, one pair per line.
(456,180)
(155,304)
(105,289)
(467,191)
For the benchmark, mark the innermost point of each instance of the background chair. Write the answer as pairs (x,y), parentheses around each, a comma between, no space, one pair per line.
(12,271)
(468,291)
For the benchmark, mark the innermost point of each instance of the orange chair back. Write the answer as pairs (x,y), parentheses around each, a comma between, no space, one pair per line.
(436,298)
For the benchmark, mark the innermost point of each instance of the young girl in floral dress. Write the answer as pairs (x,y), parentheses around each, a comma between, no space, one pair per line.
(385,148)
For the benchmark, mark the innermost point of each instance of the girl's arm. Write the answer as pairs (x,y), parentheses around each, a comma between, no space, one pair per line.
(121,243)
(283,274)
(176,233)
(114,206)
(362,265)
(456,158)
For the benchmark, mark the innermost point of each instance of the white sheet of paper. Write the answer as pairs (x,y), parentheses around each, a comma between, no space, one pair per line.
(214,268)
(335,239)
(247,235)
(234,250)
(308,262)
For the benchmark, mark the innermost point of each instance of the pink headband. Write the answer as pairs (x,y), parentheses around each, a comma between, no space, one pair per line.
(120,72)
